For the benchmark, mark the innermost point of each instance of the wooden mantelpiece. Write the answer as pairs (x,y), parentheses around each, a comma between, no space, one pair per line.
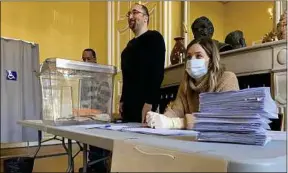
(269,58)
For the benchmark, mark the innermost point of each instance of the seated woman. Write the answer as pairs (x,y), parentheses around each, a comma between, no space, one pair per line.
(203,74)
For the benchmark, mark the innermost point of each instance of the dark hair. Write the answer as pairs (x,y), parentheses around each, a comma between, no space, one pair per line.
(92,51)
(145,9)
(215,69)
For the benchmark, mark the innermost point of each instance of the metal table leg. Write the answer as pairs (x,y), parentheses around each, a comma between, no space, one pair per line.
(84,158)
(70,157)
(68,150)
(39,143)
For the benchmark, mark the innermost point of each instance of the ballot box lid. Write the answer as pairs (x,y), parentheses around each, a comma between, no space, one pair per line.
(77,65)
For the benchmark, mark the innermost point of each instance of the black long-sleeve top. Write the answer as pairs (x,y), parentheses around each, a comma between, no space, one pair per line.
(142,64)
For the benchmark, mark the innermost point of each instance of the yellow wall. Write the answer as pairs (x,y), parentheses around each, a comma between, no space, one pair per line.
(250,17)
(98,30)
(64,29)
(176,19)
(214,11)
(60,28)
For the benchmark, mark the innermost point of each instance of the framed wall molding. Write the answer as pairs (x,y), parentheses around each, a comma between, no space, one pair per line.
(278,10)
(110,15)
(186,20)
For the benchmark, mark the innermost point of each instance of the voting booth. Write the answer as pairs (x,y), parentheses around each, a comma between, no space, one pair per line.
(75,92)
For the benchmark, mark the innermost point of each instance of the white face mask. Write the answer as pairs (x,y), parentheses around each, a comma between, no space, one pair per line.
(196,68)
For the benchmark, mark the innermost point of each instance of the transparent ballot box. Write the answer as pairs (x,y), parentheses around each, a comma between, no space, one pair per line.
(75,92)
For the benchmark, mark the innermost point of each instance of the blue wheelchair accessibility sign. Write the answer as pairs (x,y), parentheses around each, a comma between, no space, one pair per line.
(11,75)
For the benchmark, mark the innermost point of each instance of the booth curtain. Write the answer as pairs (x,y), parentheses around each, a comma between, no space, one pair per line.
(20,92)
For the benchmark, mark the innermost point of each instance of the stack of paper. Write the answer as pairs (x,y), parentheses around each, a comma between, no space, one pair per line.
(236,116)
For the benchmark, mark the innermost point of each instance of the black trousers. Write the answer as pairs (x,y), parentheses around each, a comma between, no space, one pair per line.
(132,112)
(96,153)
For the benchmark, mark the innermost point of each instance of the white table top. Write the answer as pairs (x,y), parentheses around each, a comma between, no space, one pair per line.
(273,153)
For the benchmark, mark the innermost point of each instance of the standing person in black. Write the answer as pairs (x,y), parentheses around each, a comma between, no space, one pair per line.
(142,64)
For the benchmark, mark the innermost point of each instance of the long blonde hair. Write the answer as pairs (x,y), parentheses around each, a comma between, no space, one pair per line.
(215,69)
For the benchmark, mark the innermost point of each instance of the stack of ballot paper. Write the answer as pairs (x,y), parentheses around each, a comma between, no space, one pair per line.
(236,116)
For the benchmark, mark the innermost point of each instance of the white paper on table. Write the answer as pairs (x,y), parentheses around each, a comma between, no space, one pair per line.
(115,127)
(165,132)
(277,135)
(100,126)
(92,126)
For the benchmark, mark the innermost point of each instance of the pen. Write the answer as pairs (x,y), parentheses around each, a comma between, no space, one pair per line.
(106,126)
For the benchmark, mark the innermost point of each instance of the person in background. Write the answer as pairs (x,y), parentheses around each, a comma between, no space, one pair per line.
(95,153)
(203,73)
(142,64)
(89,55)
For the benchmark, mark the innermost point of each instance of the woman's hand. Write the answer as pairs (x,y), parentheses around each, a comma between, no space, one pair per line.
(155,120)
